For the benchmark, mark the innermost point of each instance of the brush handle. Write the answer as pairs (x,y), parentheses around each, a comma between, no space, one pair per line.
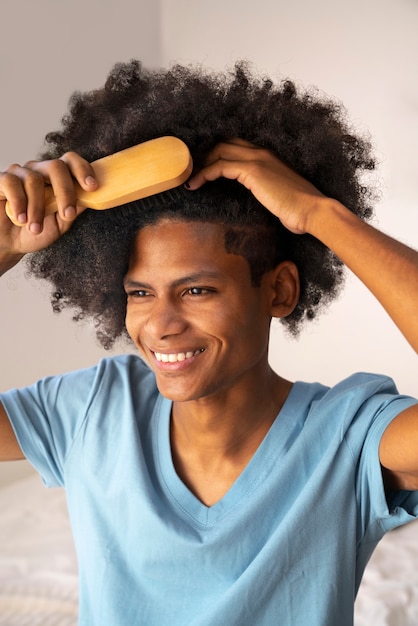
(131,174)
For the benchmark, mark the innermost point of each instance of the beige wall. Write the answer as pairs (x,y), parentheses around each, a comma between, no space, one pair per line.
(364,53)
(49,49)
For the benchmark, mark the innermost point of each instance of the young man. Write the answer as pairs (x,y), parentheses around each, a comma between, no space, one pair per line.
(203,488)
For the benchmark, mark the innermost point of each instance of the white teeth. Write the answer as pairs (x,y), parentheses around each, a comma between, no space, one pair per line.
(174,357)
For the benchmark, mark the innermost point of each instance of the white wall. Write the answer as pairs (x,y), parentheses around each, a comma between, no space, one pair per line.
(49,48)
(366,55)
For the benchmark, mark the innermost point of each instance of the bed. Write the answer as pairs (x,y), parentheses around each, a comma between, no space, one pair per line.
(38,569)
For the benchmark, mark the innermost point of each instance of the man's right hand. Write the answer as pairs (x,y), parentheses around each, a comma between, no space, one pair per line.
(24,188)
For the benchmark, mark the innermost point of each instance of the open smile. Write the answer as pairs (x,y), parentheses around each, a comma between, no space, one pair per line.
(176,357)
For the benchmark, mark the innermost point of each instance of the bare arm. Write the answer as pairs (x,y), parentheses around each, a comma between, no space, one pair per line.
(388,268)
(9,447)
(30,230)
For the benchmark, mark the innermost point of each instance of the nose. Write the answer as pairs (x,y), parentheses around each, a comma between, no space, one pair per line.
(164,319)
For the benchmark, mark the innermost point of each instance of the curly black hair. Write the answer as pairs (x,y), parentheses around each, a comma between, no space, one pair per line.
(307,131)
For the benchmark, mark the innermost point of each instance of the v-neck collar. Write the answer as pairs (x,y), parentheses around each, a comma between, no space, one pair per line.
(265,457)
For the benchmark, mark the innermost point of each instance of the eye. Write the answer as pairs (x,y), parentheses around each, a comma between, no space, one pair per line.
(197,291)
(137,293)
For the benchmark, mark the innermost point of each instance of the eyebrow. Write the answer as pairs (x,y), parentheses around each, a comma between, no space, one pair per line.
(190,278)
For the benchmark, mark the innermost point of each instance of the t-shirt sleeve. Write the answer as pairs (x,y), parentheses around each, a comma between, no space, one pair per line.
(47,416)
(379,511)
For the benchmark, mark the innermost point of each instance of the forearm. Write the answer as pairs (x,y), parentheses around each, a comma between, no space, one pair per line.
(7,261)
(388,268)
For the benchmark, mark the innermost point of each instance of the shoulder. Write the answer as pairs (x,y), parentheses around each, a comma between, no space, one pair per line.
(355,403)
(124,366)
(125,377)
(76,392)
(115,369)
(354,390)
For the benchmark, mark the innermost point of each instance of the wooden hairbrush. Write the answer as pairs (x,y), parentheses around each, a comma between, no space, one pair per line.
(131,174)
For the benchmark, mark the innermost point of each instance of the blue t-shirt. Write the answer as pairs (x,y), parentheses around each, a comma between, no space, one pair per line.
(286,545)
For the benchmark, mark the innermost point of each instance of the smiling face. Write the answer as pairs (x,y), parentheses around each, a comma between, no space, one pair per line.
(193,313)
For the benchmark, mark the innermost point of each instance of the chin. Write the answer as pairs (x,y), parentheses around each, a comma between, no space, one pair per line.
(177,394)
(174,393)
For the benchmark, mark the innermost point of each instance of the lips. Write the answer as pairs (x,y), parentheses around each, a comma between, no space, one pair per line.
(176,357)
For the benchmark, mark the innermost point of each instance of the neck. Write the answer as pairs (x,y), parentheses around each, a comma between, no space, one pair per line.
(214,438)
(219,421)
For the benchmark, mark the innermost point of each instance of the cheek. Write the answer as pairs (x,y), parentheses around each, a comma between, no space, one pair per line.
(246,330)
(247,315)
(133,323)
(128,321)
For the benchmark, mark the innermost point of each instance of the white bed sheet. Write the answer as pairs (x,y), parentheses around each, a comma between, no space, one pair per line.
(388,595)
(38,568)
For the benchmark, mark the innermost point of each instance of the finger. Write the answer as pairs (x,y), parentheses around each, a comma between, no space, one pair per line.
(81,170)
(11,189)
(25,190)
(230,151)
(233,170)
(57,175)
(245,157)
(242,142)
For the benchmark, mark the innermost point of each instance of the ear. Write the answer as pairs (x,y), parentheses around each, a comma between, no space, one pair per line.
(285,287)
